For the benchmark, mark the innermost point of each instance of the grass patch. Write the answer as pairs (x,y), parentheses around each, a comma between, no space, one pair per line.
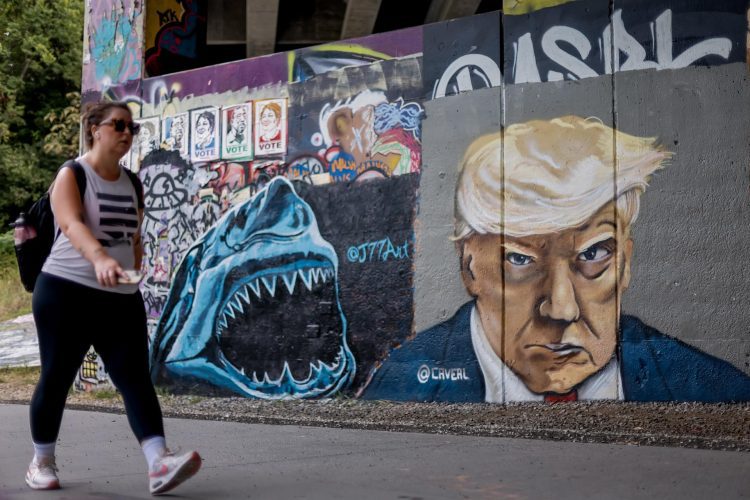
(162,391)
(14,299)
(27,375)
(104,394)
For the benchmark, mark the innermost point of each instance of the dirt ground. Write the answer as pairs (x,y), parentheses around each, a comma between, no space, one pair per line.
(694,425)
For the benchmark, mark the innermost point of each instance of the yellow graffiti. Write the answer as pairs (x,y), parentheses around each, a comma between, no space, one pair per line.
(158,13)
(518,7)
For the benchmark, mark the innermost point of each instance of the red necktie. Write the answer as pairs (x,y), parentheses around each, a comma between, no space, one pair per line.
(552,397)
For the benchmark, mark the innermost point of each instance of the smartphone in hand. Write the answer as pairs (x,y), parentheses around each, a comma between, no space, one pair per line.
(131,278)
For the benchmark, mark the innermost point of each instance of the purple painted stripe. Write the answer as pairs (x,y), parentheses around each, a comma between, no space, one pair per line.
(226,77)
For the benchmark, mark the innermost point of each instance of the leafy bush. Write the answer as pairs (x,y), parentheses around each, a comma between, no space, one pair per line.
(14,299)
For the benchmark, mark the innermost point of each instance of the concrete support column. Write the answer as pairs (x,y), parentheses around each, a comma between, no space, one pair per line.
(360,17)
(262,18)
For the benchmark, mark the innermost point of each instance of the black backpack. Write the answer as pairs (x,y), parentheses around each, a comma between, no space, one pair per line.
(35,230)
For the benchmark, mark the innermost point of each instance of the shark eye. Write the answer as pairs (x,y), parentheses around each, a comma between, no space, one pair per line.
(301,217)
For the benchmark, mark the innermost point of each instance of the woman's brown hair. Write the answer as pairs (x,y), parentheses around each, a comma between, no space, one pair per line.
(95,114)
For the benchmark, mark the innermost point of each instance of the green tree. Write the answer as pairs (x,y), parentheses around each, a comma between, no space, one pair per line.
(40,78)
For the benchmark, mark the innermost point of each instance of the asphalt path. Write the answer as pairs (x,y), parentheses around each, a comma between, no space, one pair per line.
(99,459)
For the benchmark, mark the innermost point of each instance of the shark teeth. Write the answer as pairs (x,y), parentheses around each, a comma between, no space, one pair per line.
(309,276)
(255,287)
(317,368)
(244,294)
(270,282)
(306,275)
(289,280)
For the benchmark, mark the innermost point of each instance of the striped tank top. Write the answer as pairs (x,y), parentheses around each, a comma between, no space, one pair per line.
(110,212)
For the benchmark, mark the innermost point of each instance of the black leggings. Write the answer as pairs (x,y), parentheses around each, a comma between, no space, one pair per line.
(69,319)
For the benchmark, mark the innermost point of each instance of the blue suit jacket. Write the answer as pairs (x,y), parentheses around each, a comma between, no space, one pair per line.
(439,364)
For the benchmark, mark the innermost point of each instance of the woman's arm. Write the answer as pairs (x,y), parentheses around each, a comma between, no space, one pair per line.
(68,211)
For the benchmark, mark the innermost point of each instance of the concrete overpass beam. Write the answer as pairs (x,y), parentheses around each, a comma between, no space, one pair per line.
(360,17)
(261,20)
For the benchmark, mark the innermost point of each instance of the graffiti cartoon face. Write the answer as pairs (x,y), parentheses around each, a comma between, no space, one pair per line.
(354,131)
(554,322)
(254,305)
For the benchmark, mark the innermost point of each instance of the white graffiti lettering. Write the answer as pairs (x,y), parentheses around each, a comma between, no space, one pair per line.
(425,373)
(629,54)
(477,70)
(382,250)
(460,71)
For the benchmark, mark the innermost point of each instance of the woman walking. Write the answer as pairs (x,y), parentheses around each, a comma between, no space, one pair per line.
(85,297)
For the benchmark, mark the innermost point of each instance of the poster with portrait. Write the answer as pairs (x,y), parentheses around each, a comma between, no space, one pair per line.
(174,133)
(146,141)
(125,160)
(236,141)
(204,134)
(270,127)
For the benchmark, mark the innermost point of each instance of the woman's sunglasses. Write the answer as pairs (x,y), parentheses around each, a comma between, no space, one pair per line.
(120,125)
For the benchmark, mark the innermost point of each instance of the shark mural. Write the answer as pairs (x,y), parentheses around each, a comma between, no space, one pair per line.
(254,306)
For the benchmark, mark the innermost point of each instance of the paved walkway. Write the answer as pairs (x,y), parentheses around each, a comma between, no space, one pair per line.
(18,344)
(98,459)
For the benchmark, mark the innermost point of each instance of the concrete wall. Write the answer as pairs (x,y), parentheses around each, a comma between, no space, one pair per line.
(342,276)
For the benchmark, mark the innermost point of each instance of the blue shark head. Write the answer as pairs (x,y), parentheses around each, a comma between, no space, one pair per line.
(254,305)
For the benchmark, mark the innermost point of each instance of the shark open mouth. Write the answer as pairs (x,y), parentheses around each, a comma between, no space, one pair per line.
(260,303)
(254,306)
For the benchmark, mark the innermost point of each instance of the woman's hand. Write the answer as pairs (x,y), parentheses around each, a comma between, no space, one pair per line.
(107,270)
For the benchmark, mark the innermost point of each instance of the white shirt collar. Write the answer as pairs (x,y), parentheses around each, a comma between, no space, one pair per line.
(504,386)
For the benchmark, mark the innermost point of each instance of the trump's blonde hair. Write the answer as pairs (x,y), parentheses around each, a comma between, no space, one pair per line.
(557,174)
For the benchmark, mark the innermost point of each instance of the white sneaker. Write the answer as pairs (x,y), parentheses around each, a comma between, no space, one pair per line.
(170,471)
(42,475)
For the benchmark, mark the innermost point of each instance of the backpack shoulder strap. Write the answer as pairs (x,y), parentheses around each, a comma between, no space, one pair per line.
(80,174)
(138,185)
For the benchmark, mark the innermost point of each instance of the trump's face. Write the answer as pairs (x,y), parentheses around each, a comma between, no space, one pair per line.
(550,304)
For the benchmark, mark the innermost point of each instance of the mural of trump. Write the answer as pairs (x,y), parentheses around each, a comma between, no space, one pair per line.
(543,217)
